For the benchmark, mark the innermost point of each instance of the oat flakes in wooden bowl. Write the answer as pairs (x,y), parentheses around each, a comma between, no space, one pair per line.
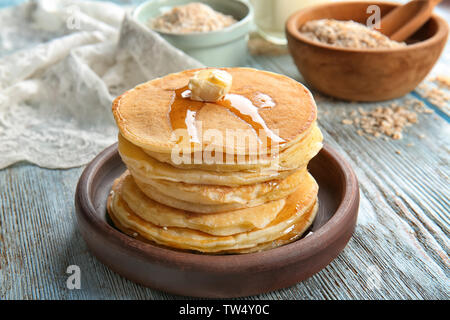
(359,69)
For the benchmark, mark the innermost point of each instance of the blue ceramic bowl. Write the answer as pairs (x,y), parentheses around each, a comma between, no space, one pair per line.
(222,48)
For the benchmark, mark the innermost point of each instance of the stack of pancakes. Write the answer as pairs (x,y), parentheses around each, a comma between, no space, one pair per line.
(262,201)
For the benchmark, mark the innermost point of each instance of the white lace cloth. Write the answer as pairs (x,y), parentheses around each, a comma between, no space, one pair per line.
(61,65)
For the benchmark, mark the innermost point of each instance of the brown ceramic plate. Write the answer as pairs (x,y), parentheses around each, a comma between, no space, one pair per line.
(219,276)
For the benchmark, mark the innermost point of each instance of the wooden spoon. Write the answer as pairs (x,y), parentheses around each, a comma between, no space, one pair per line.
(401,23)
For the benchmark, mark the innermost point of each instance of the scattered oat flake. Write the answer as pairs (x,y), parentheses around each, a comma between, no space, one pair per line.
(347,121)
(442,81)
(387,121)
(439,96)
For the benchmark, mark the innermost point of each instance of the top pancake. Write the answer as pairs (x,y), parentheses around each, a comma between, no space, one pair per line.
(142,113)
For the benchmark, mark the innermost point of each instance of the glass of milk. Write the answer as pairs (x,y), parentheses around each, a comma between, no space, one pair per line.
(270,16)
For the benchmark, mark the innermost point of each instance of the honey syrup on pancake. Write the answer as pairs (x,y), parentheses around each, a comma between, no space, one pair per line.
(183,111)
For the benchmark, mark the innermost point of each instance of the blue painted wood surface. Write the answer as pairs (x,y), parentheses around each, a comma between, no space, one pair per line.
(400,248)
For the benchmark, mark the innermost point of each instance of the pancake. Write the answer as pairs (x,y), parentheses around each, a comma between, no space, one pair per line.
(295,156)
(192,197)
(210,198)
(298,208)
(144,167)
(145,114)
(222,223)
(292,234)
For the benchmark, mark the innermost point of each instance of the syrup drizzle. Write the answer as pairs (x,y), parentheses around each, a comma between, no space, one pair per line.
(183,111)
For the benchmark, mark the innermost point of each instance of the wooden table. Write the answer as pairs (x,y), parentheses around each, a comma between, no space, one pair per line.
(399,249)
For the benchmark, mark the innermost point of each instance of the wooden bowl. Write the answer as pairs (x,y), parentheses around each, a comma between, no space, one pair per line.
(219,276)
(362,74)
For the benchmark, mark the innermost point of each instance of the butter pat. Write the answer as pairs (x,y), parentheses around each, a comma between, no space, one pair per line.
(210,85)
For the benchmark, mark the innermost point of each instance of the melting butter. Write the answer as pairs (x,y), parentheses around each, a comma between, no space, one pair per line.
(210,85)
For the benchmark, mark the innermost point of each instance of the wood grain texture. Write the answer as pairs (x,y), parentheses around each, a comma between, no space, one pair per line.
(400,248)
